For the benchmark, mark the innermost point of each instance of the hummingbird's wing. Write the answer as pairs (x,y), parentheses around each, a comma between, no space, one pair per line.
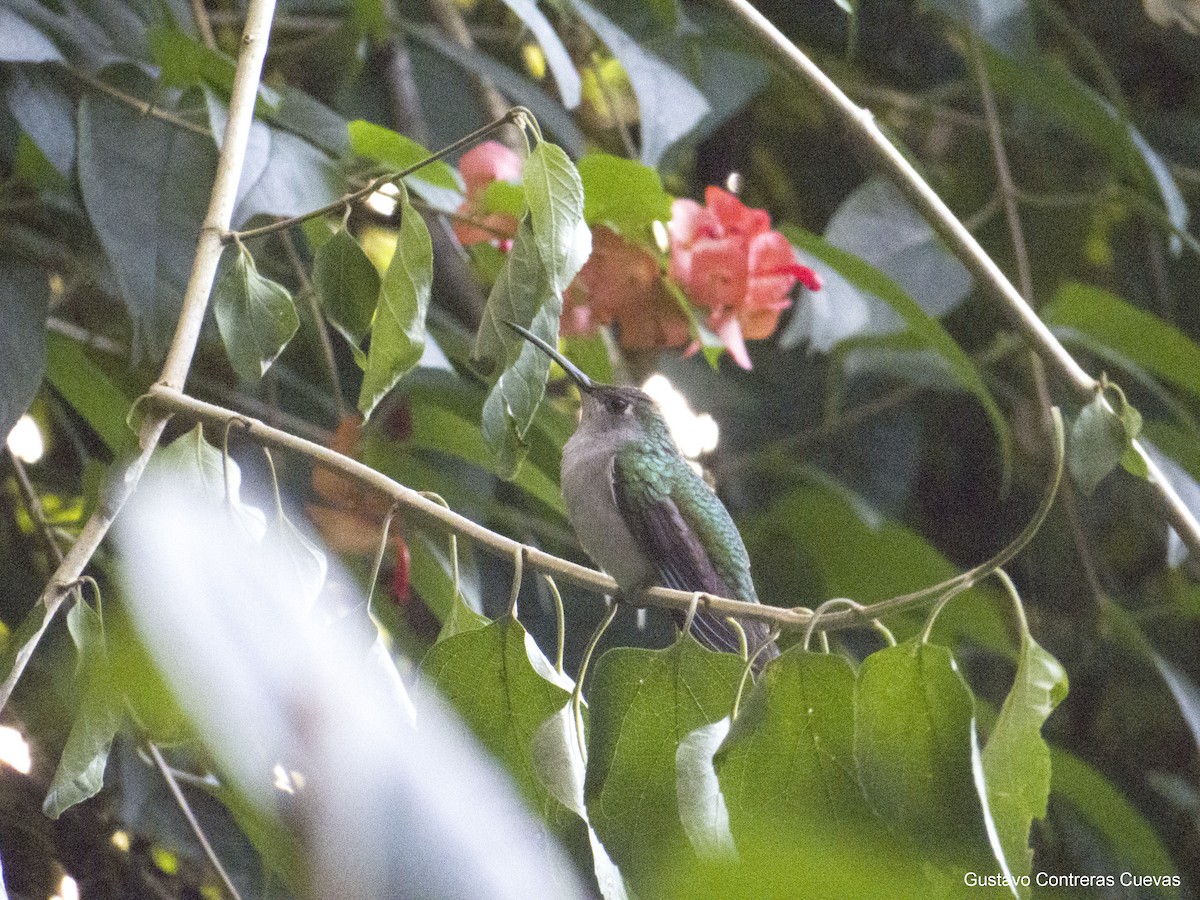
(676,527)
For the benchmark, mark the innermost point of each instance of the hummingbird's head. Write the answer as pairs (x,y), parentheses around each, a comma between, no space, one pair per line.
(607,409)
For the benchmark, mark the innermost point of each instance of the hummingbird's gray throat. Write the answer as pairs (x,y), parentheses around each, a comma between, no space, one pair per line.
(643,513)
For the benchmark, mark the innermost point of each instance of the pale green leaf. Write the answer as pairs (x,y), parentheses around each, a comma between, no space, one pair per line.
(256,317)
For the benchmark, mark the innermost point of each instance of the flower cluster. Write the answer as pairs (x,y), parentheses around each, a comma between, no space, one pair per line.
(724,259)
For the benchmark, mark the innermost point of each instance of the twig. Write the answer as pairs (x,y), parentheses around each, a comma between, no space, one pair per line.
(124,479)
(203,25)
(861,123)
(141,106)
(425,511)
(34,505)
(186,809)
(516,114)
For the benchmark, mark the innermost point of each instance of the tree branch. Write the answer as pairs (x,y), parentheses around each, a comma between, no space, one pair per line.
(431,513)
(861,123)
(125,477)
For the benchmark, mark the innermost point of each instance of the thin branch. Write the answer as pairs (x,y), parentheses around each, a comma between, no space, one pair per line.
(203,25)
(186,808)
(424,511)
(861,123)
(514,115)
(124,478)
(141,106)
(34,504)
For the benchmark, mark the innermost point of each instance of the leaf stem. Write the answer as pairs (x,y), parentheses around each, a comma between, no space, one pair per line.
(184,807)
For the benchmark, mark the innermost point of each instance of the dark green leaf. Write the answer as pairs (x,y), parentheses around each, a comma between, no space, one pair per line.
(1098,441)
(866,277)
(437,182)
(670,106)
(643,704)
(622,194)
(80,772)
(24,298)
(22,42)
(551,116)
(833,532)
(557,57)
(347,285)
(788,762)
(1138,335)
(915,746)
(89,391)
(1016,760)
(45,113)
(282,175)
(255,315)
(145,184)
(398,333)
(488,675)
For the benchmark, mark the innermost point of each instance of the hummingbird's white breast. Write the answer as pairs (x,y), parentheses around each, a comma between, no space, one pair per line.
(587,488)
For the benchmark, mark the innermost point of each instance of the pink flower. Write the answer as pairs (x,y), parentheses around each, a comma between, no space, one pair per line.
(622,283)
(728,260)
(480,166)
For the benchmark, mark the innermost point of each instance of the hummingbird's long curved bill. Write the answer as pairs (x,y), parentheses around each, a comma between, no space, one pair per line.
(577,374)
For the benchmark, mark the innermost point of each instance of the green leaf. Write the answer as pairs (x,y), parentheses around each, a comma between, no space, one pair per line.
(283,174)
(868,278)
(1140,336)
(1016,760)
(89,391)
(145,184)
(1098,441)
(644,703)
(398,334)
(80,772)
(437,182)
(669,105)
(554,193)
(488,675)
(623,194)
(45,113)
(789,778)
(788,762)
(915,747)
(255,315)
(183,61)
(24,299)
(550,247)
(347,285)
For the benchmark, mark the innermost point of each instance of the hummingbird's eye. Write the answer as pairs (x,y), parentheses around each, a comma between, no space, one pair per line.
(618,405)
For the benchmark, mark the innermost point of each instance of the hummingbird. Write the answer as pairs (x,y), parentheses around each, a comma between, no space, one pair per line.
(644,514)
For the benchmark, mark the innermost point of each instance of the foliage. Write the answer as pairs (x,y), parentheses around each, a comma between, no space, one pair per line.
(312,701)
